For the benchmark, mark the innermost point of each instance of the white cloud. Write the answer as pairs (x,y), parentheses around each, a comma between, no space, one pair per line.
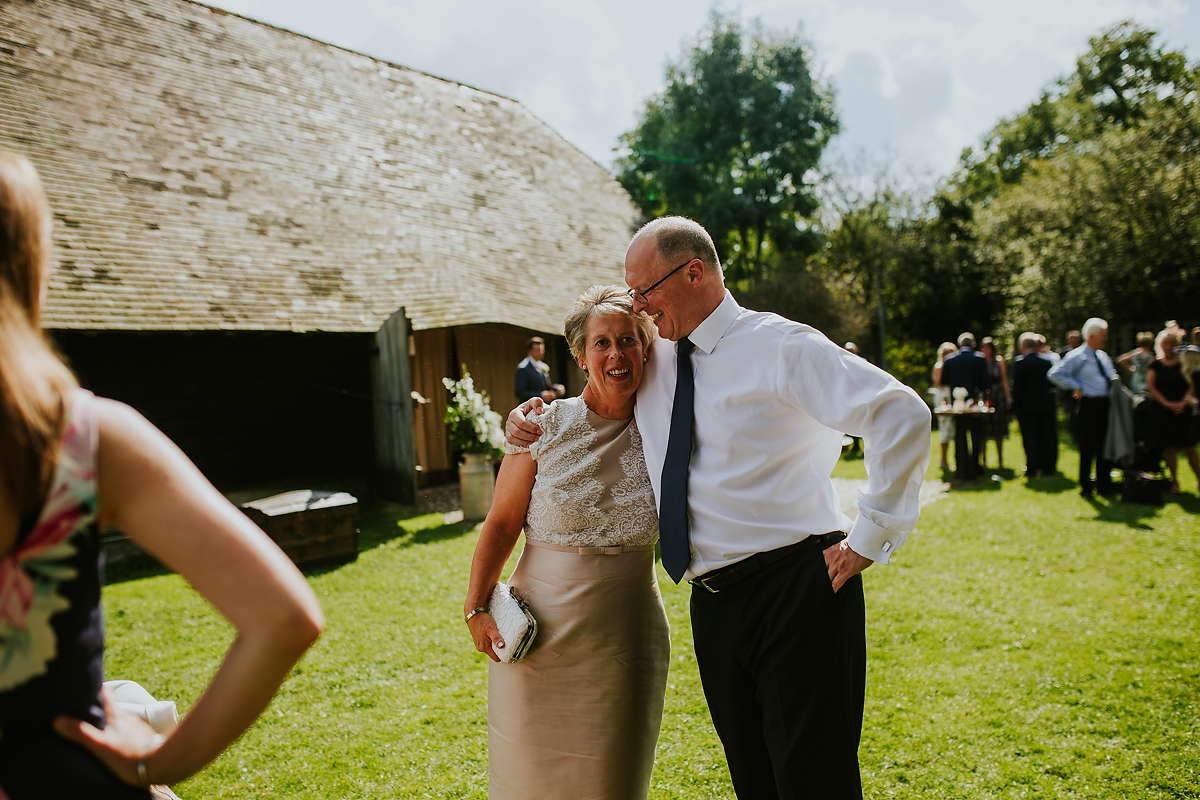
(917,80)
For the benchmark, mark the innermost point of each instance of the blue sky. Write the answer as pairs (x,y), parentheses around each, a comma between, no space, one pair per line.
(916,81)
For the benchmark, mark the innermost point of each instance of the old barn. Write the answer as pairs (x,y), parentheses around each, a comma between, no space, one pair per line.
(268,243)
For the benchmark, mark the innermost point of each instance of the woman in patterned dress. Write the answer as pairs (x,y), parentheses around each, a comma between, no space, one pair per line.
(73,463)
(578,717)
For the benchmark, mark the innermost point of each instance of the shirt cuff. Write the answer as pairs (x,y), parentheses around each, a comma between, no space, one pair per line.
(872,541)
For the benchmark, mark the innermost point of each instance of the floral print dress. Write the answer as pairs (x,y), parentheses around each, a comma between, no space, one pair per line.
(52,630)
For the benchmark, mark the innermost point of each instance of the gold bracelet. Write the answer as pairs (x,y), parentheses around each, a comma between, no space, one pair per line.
(473,612)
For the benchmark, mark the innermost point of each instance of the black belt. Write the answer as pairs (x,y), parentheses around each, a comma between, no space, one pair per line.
(718,580)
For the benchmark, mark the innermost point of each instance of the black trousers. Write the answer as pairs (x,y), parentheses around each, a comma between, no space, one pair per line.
(783,663)
(968,446)
(1093,427)
(1039,437)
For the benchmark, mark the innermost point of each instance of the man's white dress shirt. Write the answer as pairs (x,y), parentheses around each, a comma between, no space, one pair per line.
(773,398)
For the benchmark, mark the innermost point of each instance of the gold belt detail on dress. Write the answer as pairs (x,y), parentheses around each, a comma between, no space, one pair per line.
(612,550)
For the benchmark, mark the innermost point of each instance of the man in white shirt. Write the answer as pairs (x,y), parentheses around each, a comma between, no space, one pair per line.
(740,433)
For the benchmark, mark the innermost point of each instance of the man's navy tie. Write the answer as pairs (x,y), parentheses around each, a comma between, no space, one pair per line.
(673,507)
(1100,366)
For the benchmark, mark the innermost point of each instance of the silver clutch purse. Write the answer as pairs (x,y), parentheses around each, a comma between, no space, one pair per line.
(517,625)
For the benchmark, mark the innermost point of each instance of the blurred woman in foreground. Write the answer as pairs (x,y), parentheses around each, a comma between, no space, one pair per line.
(74,463)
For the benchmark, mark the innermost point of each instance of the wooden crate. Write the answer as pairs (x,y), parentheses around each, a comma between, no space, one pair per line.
(311,526)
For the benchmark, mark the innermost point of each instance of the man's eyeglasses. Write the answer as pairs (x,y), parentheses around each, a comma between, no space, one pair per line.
(639,295)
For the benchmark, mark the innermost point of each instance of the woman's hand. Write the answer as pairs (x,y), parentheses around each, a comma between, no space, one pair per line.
(486,635)
(126,741)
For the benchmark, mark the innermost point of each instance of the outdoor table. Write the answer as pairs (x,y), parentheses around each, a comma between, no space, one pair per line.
(972,412)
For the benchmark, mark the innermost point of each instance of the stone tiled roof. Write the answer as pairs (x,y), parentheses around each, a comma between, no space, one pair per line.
(211,172)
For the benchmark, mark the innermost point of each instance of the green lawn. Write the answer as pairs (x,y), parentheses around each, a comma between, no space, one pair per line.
(1025,643)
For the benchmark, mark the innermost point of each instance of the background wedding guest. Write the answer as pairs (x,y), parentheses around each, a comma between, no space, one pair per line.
(941,397)
(1173,393)
(75,463)
(1086,373)
(1173,327)
(1033,404)
(1070,404)
(1073,339)
(1136,361)
(1044,350)
(532,378)
(995,426)
(1189,354)
(855,441)
(967,369)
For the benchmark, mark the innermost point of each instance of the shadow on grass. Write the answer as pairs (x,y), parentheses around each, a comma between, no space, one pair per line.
(1052,484)
(378,523)
(1127,514)
(1189,503)
(984,483)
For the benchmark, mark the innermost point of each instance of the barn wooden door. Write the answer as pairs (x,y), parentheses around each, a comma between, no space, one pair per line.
(393,409)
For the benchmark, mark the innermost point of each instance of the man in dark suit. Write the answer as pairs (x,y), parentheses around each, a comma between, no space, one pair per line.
(968,369)
(533,375)
(1033,403)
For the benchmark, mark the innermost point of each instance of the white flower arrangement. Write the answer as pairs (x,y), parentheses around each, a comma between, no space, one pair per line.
(474,426)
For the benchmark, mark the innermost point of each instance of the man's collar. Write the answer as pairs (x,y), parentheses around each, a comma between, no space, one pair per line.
(709,332)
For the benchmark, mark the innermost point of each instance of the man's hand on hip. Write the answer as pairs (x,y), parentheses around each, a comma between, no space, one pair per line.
(843,564)
(518,431)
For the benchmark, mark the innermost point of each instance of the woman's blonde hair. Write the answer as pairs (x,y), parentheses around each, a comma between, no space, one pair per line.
(1164,340)
(34,382)
(944,349)
(602,300)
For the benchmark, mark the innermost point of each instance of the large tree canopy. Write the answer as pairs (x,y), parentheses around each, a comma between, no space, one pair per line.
(732,141)
(1082,204)
(1111,230)
(1123,74)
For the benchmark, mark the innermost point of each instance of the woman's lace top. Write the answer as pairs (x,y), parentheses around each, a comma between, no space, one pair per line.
(591,489)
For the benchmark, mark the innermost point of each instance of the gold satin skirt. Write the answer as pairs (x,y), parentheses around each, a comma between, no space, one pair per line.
(578,717)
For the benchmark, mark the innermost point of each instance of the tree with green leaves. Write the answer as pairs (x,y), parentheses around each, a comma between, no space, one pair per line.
(1111,230)
(1124,73)
(733,141)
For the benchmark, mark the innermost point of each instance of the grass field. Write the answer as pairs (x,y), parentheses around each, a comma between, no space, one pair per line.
(1025,643)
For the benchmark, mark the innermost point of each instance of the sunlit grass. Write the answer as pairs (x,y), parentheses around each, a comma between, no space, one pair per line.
(1024,643)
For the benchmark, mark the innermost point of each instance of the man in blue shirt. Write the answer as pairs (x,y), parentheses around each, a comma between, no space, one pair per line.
(1086,373)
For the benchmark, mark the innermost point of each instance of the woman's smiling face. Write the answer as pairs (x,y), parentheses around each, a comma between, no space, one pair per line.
(613,355)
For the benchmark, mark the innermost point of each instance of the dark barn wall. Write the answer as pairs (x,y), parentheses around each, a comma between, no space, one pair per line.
(248,407)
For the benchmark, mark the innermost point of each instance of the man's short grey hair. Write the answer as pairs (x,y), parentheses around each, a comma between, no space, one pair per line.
(966,339)
(1093,325)
(1028,340)
(603,300)
(678,238)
